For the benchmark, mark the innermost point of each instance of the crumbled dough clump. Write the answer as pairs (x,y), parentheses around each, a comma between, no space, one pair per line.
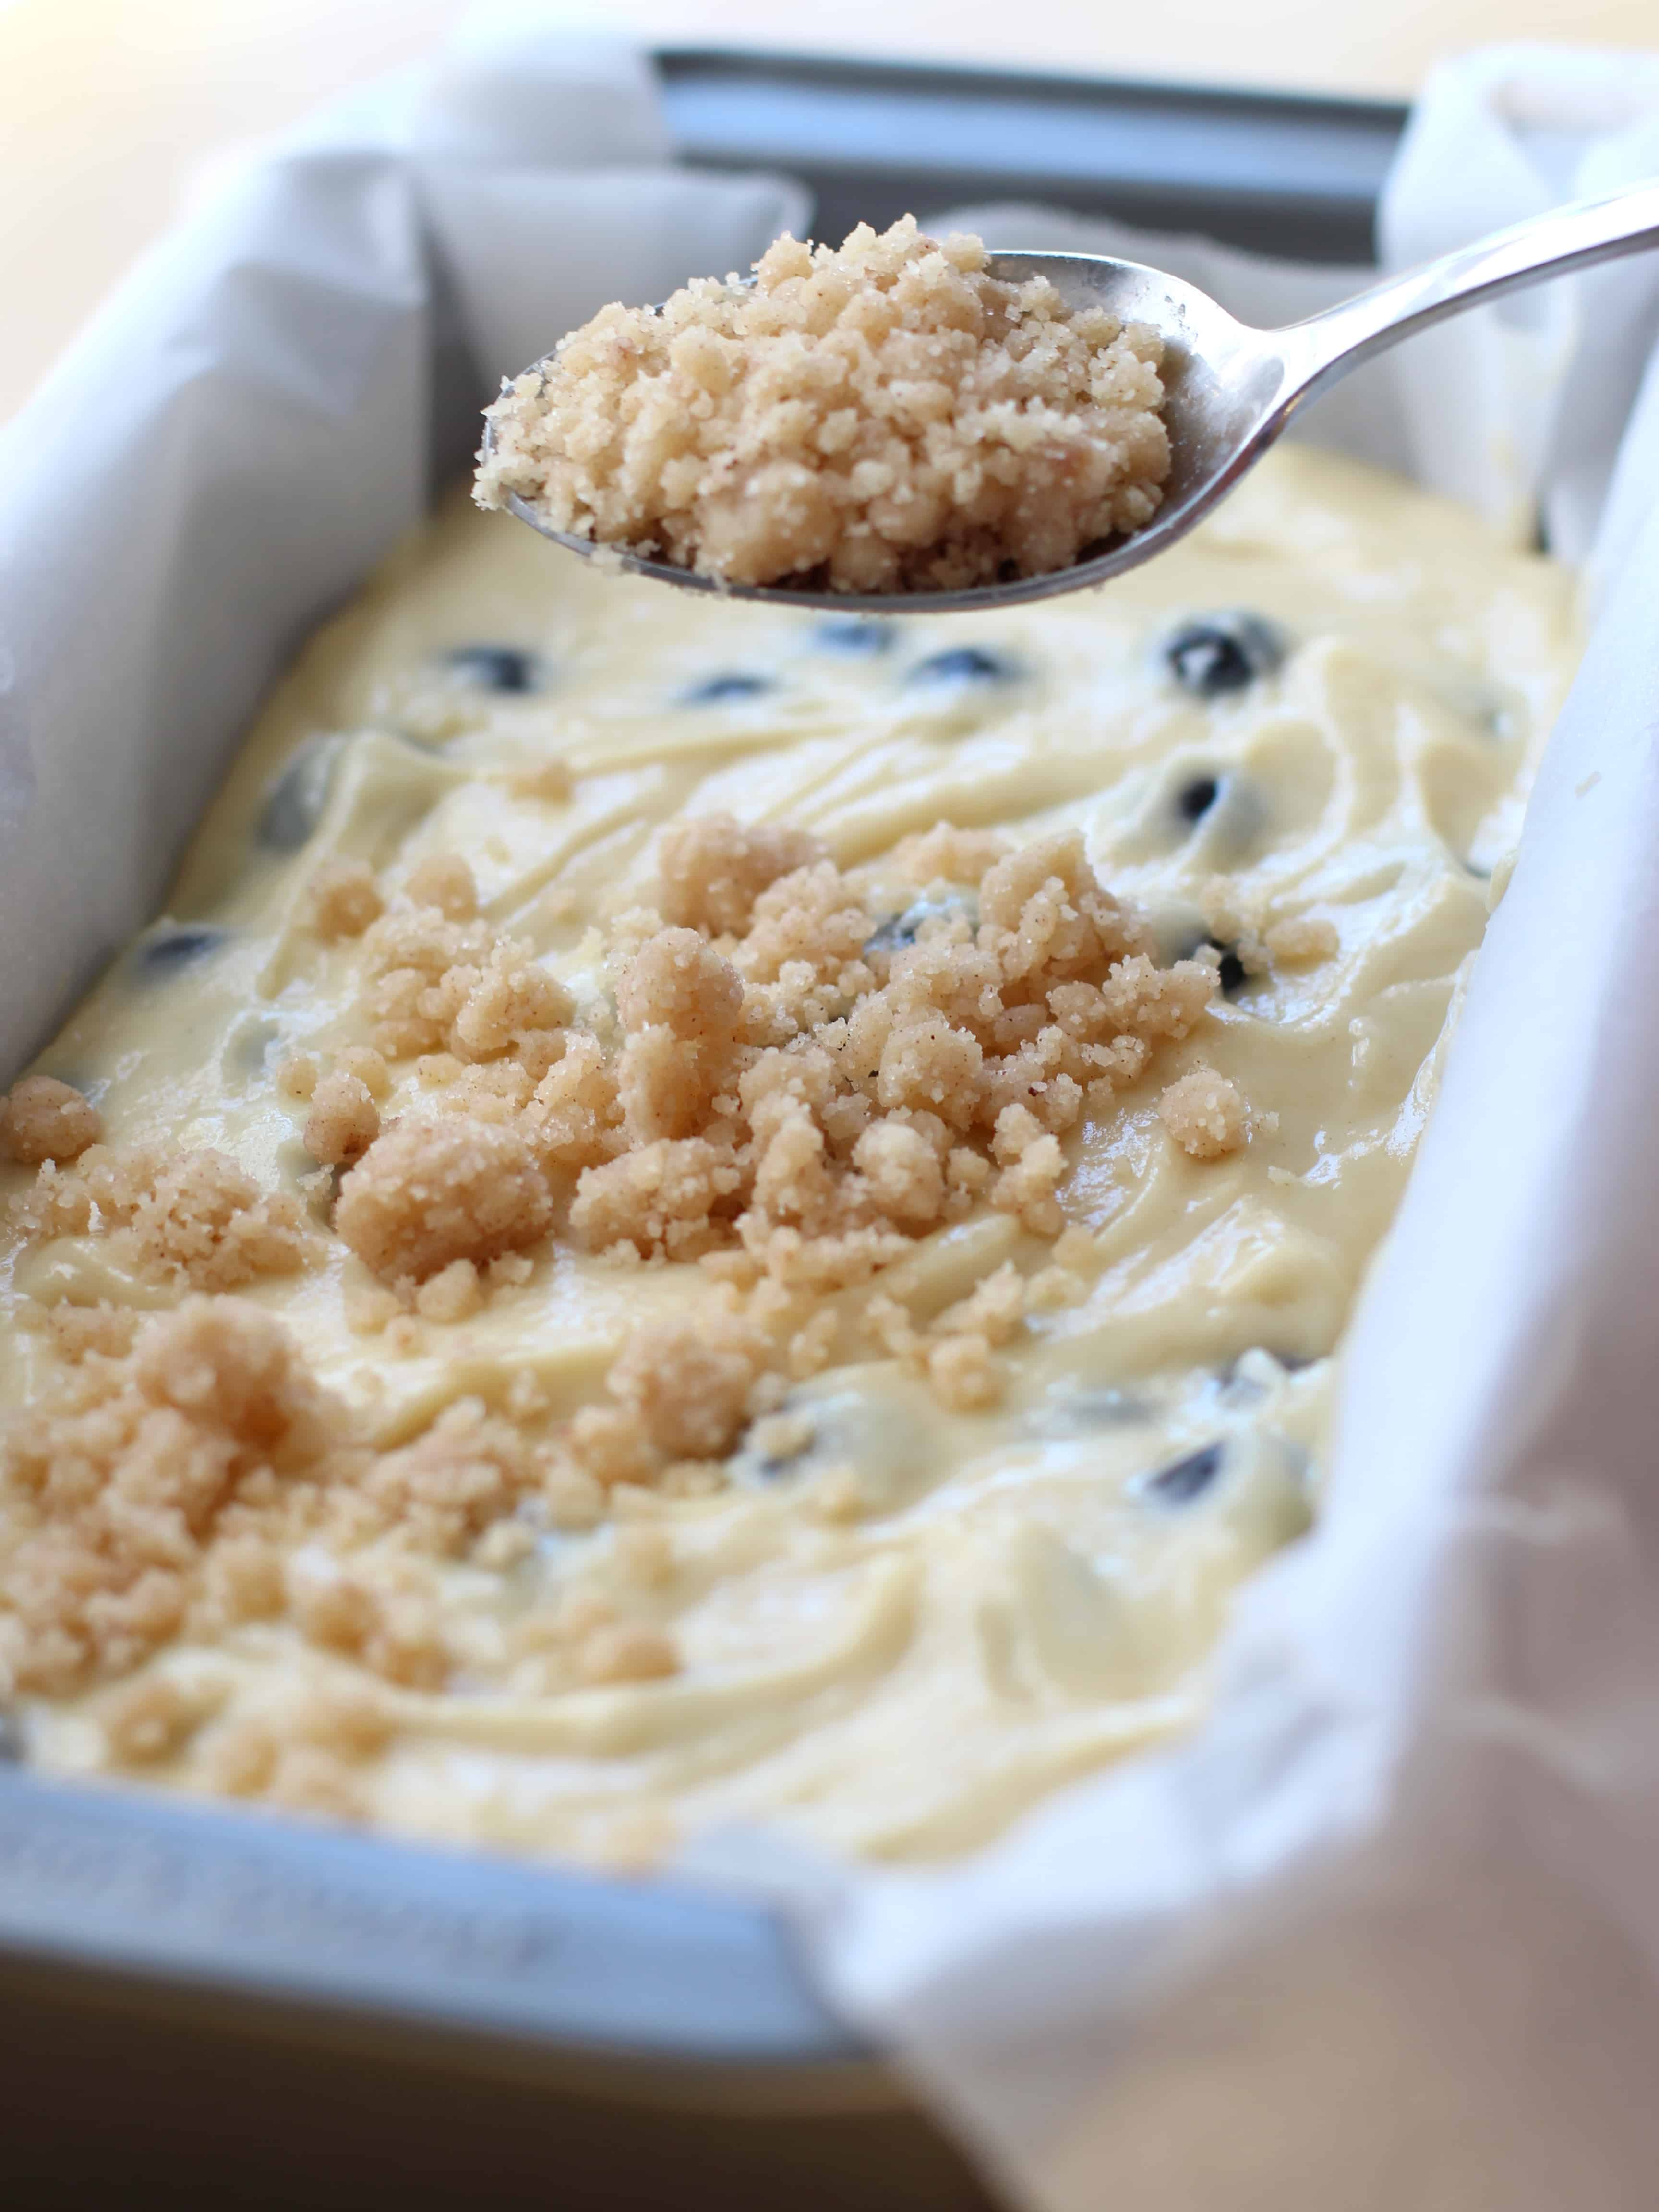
(884,415)
(428,1193)
(41,1119)
(118,1478)
(689,1383)
(446,882)
(437,979)
(1206,1113)
(192,1219)
(345,899)
(713,868)
(343,1120)
(819,1102)
(1302,940)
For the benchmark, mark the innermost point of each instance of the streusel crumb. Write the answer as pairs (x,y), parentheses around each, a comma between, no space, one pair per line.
(713,868)
(446,882)
(192,1219)
(41,1119)
(885,417)
(1206,1113)
(789,1090)
(118,1478)
(345,899)
(428,1193)
(1302,940)
(439,981)
(343,1120)
(688,1383)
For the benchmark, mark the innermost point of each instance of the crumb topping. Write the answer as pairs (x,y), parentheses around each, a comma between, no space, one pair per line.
(438,979)
(785,1093)
(343,899)
(713,868)
(119,1477)
(193,1219)
(185,1473)
(862,1347)
(1206,1113)
(427,1193)
(885,415)
(1302,940)
(41,1119)
(343,1120)
(799,1092)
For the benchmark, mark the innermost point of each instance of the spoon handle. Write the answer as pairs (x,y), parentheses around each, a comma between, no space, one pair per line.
(1327,346)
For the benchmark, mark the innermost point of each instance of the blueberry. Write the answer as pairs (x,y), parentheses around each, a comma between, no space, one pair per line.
(11,1740)
(730,683)
(856,639)
(1214,654)
(964,664)
(1194,800)
(1187,1478)
(1231,974)
(507,668)
(170,950)
(899,930)
(295,801)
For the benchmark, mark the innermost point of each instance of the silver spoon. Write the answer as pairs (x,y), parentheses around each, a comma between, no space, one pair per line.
(1231,390)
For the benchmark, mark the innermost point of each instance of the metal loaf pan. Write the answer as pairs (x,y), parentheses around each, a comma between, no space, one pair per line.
(205,2005)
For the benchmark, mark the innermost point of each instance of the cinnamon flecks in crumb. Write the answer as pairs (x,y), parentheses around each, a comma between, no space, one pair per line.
(344,898)
(885,416)
(118,1478)
(783,1088)
(77,1330)
(436,979)
(343,1120)
(428,1193)
(714,869)
(368,1066)
(1206,1113)
(41,1119)
(196,1220)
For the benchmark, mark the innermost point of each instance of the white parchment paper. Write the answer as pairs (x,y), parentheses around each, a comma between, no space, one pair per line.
(1385,1933)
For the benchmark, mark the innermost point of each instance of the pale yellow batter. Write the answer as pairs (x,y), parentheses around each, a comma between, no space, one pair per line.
(886,1622)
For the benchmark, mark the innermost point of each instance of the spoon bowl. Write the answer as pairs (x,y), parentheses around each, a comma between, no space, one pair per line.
(1231,391)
